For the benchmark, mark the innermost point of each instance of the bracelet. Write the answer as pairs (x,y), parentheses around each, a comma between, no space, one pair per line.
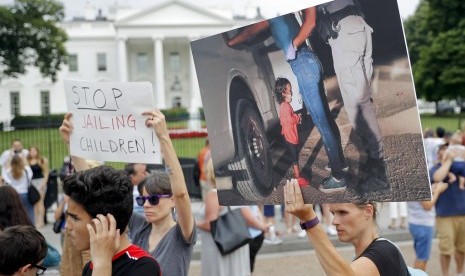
(310,223)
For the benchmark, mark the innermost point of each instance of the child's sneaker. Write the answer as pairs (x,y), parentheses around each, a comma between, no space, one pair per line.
(332,185)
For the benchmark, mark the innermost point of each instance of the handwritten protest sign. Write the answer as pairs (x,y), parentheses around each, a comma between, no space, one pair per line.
(108,125)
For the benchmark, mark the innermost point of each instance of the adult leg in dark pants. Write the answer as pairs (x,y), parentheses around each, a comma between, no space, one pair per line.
(254,246)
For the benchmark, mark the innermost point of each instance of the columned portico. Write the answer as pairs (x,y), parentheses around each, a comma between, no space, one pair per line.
(159,73)
(122,59)
(148,44)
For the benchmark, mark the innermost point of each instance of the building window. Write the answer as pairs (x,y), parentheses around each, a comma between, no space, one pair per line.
(45,102)
(176,85)
(101,62)
(73,63)
(14,103)
(175,61)
(177,102)
(142,62)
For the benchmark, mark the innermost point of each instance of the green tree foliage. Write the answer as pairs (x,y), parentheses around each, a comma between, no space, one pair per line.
(29,36)
(417,31)
(435,36)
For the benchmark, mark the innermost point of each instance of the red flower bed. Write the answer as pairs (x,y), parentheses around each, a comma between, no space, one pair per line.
(186,133)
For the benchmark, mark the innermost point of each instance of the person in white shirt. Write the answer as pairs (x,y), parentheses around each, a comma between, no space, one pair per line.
(18,176)
(7,155)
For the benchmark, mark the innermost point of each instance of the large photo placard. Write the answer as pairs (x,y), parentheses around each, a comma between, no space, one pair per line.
(324,95)
(108,124)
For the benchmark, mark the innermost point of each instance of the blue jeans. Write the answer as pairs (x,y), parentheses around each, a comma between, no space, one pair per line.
(307,69)
(422,240)
(29,207)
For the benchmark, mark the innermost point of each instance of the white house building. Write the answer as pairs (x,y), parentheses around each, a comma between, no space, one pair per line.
(128,45)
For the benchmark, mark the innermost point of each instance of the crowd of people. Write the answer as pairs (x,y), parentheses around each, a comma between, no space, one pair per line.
(104,233)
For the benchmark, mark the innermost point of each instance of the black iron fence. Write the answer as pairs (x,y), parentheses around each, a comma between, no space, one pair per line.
(188,136)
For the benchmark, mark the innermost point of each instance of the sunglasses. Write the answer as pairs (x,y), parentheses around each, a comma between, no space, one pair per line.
(40,269)
(153,199)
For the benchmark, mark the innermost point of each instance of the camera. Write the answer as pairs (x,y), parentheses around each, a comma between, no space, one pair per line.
(17,151)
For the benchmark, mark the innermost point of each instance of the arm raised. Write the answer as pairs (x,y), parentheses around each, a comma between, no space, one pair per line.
(156,120)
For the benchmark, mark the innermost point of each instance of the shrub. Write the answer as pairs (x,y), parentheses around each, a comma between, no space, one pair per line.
(33,121)
(175,114)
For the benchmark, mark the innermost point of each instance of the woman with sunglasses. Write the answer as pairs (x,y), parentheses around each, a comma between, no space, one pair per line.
(169,240)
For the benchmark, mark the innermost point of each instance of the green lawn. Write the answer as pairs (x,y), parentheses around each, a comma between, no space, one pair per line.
(52,147)
(450,122)
(49,140)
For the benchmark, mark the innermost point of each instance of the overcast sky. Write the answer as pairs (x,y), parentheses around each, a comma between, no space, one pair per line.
(406,7)
(272,8)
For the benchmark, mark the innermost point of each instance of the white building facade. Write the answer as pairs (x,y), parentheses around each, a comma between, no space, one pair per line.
(131,46)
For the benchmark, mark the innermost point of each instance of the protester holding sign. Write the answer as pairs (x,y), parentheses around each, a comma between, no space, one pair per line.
(170,241)
(107,121)
(355,223)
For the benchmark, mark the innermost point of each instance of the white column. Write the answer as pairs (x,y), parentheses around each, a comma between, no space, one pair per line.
(122,59)
(159,73)
(196,100)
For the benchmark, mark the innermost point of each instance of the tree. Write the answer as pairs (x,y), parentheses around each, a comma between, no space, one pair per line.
(437,49)
(29,36)
(417,31)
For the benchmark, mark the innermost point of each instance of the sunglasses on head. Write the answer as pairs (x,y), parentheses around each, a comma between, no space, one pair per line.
(153,199)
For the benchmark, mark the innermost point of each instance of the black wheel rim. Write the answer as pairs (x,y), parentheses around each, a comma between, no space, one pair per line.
(256,146)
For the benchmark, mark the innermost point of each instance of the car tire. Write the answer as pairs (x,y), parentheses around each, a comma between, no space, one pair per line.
(252,167)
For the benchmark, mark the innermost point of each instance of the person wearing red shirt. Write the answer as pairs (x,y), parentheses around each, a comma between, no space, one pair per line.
(289,120)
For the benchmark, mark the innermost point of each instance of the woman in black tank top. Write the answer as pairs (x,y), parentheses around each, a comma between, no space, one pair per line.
(39,167)
(356,224)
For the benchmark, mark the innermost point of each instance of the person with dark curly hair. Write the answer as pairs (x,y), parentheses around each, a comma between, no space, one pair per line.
(23,249)
(170,239)
(289,120)
(99,208)
(12,211)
